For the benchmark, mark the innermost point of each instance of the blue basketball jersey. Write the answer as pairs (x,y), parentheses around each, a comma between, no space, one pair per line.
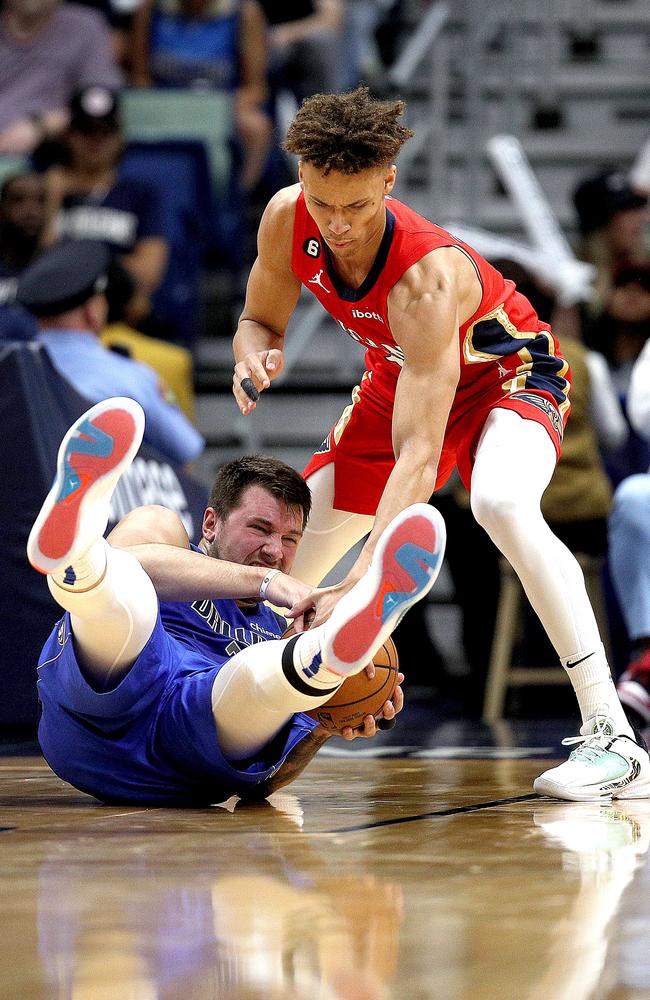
(220,628)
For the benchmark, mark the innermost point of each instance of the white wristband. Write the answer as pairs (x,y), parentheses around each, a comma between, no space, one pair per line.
(264,585)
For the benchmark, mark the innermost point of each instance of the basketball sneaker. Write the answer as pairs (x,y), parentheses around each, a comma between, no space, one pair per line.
(404,567)
(603,766)
(94,453)
(634,689)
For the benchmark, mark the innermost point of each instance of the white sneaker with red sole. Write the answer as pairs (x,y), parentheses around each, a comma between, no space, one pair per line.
(94,453)
(404,567)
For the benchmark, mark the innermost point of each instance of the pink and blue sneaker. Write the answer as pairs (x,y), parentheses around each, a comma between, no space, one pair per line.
(94,453)
(404,567)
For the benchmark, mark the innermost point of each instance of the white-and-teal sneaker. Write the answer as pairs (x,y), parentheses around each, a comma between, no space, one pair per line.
(605,765)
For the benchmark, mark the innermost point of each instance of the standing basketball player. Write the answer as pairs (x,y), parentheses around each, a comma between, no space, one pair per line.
(460,372)
(167,680)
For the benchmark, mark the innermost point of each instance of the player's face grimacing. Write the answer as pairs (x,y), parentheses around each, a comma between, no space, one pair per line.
(347,208)
(261,531)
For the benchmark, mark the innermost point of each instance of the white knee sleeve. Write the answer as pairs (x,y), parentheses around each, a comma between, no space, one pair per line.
(112,621)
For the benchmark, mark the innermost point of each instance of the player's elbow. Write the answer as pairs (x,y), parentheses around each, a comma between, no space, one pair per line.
(149,524)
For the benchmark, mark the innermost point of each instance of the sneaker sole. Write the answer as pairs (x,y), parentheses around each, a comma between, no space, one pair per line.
(99,446)
(544,786)
(404,568)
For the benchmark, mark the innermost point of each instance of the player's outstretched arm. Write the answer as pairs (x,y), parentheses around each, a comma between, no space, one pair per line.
(425,310)
(157,538)
(271,296)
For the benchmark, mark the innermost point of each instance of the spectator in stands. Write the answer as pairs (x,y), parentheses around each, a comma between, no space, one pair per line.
(304,50)
(629,555)
(613,221)
(623,327)
(118,14)
(64,288)
(210,44)
(22,224)
(89,200)
(47,50)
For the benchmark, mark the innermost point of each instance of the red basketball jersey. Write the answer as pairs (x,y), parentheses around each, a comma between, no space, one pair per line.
(503,342)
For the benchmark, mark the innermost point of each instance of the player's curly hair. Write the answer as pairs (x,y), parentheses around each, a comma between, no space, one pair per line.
(278,478)
(347,132)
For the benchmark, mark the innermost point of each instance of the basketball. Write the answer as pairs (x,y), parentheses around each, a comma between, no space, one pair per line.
(358,695)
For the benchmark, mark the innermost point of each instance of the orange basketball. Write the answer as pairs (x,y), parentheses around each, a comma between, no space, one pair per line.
(359,696)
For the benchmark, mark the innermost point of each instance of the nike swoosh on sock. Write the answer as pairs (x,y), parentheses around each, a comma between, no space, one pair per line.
(576,662)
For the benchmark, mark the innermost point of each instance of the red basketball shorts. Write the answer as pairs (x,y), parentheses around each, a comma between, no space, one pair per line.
(360,443)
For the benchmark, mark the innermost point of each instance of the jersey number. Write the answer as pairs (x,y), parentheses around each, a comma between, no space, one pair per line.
(312,247)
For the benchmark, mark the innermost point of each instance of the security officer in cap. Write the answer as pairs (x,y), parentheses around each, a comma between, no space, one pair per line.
(64,289)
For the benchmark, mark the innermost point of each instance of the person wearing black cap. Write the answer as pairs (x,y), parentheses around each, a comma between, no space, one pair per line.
(612,217)
(64,289)
(89,200)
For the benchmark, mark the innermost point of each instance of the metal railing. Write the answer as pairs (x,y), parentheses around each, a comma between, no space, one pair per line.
(427,43)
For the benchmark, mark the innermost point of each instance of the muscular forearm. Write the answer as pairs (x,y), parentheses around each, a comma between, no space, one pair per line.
(294,764)
(184,575)
(252,336)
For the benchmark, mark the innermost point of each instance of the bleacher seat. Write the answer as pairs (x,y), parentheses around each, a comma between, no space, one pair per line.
(183,114)
(12,165)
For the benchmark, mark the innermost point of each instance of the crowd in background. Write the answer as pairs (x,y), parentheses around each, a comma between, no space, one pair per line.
(63,69)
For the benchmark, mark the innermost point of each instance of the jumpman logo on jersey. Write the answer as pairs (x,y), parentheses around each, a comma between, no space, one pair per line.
(502,371)
(316,280)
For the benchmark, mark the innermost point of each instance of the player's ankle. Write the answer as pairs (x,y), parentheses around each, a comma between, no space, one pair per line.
(86,572)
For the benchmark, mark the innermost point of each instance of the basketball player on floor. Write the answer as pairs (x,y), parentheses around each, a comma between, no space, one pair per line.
(159,685)
(460,372)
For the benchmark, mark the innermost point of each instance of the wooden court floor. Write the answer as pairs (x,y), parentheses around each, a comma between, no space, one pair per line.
(369,879)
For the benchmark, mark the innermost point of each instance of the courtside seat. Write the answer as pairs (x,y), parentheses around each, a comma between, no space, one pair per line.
(501,673)
(183,114)
(10,164)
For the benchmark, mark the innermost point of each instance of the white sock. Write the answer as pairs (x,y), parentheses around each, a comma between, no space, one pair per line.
(594,687)
(87,570)
(305,667)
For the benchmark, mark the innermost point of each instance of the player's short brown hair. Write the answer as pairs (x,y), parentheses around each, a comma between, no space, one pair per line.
(278,478)
(347,132)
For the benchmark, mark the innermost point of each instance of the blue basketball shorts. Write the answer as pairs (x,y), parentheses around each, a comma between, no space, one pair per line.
(152,739)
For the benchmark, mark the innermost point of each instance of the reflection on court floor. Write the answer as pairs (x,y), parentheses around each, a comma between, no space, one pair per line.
(371,878)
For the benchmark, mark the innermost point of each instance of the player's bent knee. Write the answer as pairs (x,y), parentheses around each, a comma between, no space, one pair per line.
(496,512)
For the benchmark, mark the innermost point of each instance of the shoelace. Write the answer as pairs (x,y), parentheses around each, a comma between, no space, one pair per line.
(593,744)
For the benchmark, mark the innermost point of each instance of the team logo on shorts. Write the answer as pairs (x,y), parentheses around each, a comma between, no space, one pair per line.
(547,407)
(60,635)
(311,247)
(326,445)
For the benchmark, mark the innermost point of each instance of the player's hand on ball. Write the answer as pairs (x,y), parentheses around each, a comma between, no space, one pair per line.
(371,725)
(253,375)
